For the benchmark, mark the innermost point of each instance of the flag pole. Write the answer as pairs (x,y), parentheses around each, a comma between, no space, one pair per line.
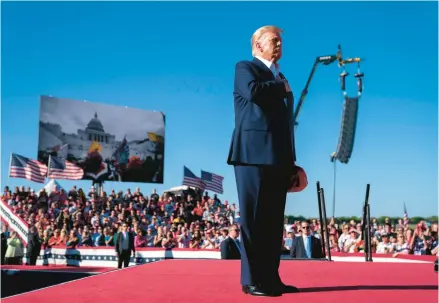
(48,166)
(9,173)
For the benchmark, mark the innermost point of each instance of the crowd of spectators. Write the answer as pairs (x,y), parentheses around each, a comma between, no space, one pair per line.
(389,238)
(75,218)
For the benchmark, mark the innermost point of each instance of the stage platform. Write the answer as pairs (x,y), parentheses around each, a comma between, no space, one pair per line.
(204,281)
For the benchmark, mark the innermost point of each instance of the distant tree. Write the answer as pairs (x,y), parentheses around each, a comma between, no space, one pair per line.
(380,220)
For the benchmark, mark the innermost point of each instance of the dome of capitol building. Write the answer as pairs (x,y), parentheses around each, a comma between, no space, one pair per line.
(95,125)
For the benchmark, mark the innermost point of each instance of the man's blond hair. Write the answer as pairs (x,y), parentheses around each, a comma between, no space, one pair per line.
(260,32)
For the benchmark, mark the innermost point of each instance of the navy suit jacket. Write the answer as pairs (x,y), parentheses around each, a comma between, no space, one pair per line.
(229,250)
(298,248)
(263,133)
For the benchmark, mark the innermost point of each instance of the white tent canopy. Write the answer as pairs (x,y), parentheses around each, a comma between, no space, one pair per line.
(51,186)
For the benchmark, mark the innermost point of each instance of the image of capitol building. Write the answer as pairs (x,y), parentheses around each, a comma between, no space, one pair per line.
(76,145)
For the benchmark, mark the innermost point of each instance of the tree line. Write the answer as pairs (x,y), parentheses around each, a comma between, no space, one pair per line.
(393,220)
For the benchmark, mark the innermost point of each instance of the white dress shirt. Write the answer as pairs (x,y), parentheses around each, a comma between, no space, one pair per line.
(272,66)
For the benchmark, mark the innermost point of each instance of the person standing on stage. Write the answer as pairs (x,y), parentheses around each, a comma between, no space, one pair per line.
(262,152)
(124,246)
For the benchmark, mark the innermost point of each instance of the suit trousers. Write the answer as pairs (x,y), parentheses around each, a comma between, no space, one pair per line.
(124,257)
(262,194)
(33,258)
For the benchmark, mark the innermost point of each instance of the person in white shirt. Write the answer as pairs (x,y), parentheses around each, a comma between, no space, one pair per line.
(351,242)
(384,247)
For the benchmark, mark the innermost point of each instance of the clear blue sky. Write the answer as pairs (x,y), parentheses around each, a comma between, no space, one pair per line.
(179,58)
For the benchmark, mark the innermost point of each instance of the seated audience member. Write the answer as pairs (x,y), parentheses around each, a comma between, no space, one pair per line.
(184,239)
(149,238)
(343,237)
(169,241)
(352,241)
(46,239)
(139,239)
(54,240)
(108,237)
(231,246)
(196,239)
(306,246)
(209,240)
(385,246)
(158,239)
(86,239)
(333,241)
(73,240)
(401,247)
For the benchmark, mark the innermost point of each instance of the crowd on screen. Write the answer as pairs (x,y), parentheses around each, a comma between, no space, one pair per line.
(76,218)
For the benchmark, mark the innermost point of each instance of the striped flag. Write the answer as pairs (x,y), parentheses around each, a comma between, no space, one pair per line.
(213,182)
(22,167)
(190,179)
(60,168)
(406,216)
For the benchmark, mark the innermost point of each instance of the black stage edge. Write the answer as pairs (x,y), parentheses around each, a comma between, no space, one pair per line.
(15,282)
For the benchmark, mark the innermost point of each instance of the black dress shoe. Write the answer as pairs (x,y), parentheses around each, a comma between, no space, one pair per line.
(258,291)
(286,289)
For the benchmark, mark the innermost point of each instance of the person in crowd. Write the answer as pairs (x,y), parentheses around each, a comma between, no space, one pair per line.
(124,246)
(33,246)
(307,245)
(140,239)
(5,236)
(230,247)
(158,239)
(352,242)
(169,242)
(158,217)
(385,246)
(149,237)
(72,240)
(86,239)
(55,239)
(45,239)
(196,239)
(14,252)
(184,238)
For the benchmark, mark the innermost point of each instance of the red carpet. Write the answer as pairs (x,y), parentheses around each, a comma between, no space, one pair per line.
(203,281)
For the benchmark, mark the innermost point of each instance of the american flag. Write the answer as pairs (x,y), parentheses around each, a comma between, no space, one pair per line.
(22,167)
(213,182)
(190,179)
(406,216)
(63,169)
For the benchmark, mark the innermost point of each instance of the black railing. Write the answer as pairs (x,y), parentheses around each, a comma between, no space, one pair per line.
(366,228)
(323,224)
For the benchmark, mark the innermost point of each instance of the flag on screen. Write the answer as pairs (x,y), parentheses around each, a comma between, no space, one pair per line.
(406,216)
(22,167)
(212,182)
(190,179)
(122,153)
(60,168)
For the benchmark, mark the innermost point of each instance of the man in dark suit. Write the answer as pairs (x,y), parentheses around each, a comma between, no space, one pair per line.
(306,246)
(230,247)
(263,155)
(4,243)
(33,246)
(124,246)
